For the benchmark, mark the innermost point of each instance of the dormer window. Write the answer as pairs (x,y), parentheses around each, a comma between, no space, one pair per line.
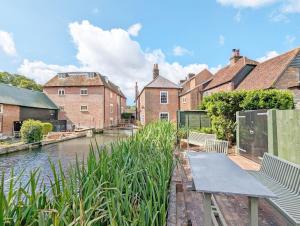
(83,91)
(62,75)
(61,92)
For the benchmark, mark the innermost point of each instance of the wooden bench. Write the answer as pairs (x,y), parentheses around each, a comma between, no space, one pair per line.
(198,139)
(283,179)
(219,146)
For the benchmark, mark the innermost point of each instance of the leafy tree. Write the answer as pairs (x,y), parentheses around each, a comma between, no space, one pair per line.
(222,107)
(19,81)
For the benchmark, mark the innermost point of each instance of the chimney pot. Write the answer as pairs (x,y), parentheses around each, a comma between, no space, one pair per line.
(235,56)
(155,71)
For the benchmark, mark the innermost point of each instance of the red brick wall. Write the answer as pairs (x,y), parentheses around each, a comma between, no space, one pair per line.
(72,100)
(151,107)
(10,114)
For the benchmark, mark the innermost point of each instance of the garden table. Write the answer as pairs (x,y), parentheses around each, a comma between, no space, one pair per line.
(215,173)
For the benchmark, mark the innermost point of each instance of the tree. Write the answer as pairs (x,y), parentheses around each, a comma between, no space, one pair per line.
(19,81)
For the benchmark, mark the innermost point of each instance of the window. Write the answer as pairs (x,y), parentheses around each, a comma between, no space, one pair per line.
(84,91)
(111,121)
(164,116)
(62,108)
(111,94)
(61,92)
(1,108)
(163,97)
(83,108)
(184,100)
(111,108)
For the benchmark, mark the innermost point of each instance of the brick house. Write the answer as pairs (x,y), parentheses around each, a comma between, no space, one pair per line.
(86,99)
(18,104)
(158,100)
(229,77)
(192,89)
(280,72)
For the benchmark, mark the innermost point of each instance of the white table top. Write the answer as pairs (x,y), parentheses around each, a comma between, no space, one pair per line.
(216,173)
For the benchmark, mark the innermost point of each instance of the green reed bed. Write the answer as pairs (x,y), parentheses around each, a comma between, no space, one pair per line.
(125,185)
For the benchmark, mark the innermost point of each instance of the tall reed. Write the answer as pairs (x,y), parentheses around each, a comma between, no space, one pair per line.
(124,184)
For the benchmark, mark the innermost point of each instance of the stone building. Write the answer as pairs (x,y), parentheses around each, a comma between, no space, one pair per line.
(280,72)
(18,104)
(192,89)
(229,77)
(158,100)
(86,99)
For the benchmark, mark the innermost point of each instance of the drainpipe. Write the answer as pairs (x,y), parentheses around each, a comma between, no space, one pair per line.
(104,108)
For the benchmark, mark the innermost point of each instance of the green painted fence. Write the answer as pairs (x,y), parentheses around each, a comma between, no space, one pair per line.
(193,119)
(284,134)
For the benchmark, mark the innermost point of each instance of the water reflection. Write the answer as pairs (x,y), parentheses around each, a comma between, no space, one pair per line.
(65,152)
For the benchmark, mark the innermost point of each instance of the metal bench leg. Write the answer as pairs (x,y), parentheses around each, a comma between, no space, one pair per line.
(253,211)
(207,209)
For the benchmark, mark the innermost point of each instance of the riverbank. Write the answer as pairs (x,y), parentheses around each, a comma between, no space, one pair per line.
(52,138)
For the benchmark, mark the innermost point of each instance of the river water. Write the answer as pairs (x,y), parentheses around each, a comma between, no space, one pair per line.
(65,152)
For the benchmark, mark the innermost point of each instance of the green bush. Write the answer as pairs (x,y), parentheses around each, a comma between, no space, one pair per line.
(47,128)
(208,130)
(126,115)
(31,131)
(222,107)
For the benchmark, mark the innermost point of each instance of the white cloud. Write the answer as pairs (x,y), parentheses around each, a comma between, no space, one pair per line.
(112,53)
(238,16)
(134,29)
(180,51)
(290,39)
(7,44)
(246,3)
(95,11)
(221,40)
(291,6)
(268,56)
(278,16)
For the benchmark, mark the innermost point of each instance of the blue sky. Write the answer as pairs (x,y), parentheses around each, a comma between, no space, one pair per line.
(122,39)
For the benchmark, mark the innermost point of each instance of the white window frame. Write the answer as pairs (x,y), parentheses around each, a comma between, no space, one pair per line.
(62,108)
(1,108)
(111,108)
(84,94)
(61,92)
(111,94)
(184,100)
(160,113)
(161,92)
(84,105)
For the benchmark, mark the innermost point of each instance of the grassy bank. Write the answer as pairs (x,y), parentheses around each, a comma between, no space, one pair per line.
(127,187)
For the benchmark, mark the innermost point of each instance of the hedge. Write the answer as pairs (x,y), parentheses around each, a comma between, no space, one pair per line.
(222,107)
(47,128)
(31,131)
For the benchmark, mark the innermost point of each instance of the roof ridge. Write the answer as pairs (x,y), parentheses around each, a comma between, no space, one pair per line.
(10,85)
(280,55)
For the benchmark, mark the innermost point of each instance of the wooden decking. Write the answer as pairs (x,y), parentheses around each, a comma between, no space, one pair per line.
(186,205)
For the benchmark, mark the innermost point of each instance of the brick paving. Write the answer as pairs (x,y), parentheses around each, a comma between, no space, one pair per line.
(187,206)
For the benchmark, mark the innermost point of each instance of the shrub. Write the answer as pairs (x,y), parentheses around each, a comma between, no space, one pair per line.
(47,128)
(222,107)
(182,133)
(126,115)
(204,130)
(31,131)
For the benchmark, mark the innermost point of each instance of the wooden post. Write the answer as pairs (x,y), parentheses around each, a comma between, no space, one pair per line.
(253,211)
(207,209)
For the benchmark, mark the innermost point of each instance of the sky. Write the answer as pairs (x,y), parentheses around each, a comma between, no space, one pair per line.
(123,39)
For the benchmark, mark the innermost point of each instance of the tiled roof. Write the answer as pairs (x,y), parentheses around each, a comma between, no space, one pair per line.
(266,73)
(202,77)
(161,82)
(228,73)
(83,79)
(24,97)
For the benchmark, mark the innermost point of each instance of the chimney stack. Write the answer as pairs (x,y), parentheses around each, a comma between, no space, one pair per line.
(191,75)
(235,56)
(136,91)
(155,71)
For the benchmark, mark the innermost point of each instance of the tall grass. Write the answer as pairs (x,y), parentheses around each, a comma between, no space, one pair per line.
(125,184)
